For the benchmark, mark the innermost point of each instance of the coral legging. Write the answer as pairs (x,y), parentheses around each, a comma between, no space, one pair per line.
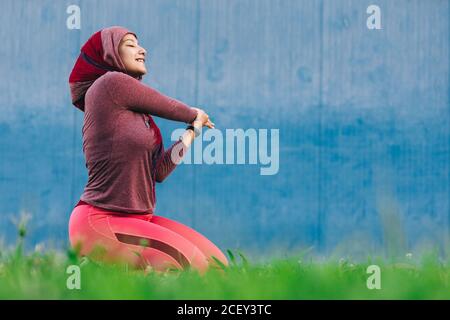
(140,240)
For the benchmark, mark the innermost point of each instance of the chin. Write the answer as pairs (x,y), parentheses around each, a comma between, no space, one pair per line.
(141,71)
(138,73)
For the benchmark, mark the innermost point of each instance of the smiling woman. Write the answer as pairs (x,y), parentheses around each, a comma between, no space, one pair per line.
(133,55)
(125,157)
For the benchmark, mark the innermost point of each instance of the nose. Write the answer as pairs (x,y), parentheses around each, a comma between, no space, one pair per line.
(143,51)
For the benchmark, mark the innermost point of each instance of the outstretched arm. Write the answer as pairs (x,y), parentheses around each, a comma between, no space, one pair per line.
(129,93)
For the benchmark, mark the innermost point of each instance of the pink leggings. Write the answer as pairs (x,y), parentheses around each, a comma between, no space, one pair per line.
(140,240)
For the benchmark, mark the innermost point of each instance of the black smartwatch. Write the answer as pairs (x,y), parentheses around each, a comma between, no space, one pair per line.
(196,131)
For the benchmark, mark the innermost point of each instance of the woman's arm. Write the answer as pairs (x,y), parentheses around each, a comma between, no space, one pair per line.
(165,165)
(129,93)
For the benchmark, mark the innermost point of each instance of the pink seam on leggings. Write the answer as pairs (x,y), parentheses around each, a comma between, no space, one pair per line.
(141,239)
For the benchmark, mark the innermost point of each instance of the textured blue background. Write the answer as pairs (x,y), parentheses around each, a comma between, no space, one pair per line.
(363,117)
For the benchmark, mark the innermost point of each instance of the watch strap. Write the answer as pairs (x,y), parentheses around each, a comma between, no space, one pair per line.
(193,128)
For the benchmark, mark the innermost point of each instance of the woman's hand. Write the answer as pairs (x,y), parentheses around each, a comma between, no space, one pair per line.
(202,118)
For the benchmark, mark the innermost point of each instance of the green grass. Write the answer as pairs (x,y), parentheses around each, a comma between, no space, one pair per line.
(42,275)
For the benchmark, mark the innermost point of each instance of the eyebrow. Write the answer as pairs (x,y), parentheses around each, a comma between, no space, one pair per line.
(131,40)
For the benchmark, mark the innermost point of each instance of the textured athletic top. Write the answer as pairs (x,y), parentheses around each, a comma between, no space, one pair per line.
(123,146)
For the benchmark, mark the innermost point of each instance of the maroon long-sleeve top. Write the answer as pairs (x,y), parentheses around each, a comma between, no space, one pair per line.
(122,145)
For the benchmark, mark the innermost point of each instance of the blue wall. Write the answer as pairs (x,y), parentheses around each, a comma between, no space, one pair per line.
(363,117)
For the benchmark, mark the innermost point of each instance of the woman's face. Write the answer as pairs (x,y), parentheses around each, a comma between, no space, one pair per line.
(132,55)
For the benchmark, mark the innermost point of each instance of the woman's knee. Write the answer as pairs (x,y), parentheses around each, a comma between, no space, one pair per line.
(206,246)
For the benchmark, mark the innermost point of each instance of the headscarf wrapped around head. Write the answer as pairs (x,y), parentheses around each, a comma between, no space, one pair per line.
(98,55)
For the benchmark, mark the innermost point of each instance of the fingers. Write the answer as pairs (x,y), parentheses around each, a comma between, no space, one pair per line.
(203,117)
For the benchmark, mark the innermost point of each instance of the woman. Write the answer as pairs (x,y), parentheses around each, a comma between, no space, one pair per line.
(114,220)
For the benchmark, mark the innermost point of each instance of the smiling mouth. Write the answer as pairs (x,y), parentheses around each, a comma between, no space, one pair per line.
(140,60)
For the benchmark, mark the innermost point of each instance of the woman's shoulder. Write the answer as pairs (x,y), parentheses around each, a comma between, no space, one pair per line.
(111,83)
(114,82)
(112,77)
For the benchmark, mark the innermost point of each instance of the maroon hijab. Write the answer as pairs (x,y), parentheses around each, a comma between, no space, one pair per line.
(98,55)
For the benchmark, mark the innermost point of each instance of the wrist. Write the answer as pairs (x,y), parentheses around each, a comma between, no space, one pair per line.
(190,133)
(187,137)
(195,129)
(197,123)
